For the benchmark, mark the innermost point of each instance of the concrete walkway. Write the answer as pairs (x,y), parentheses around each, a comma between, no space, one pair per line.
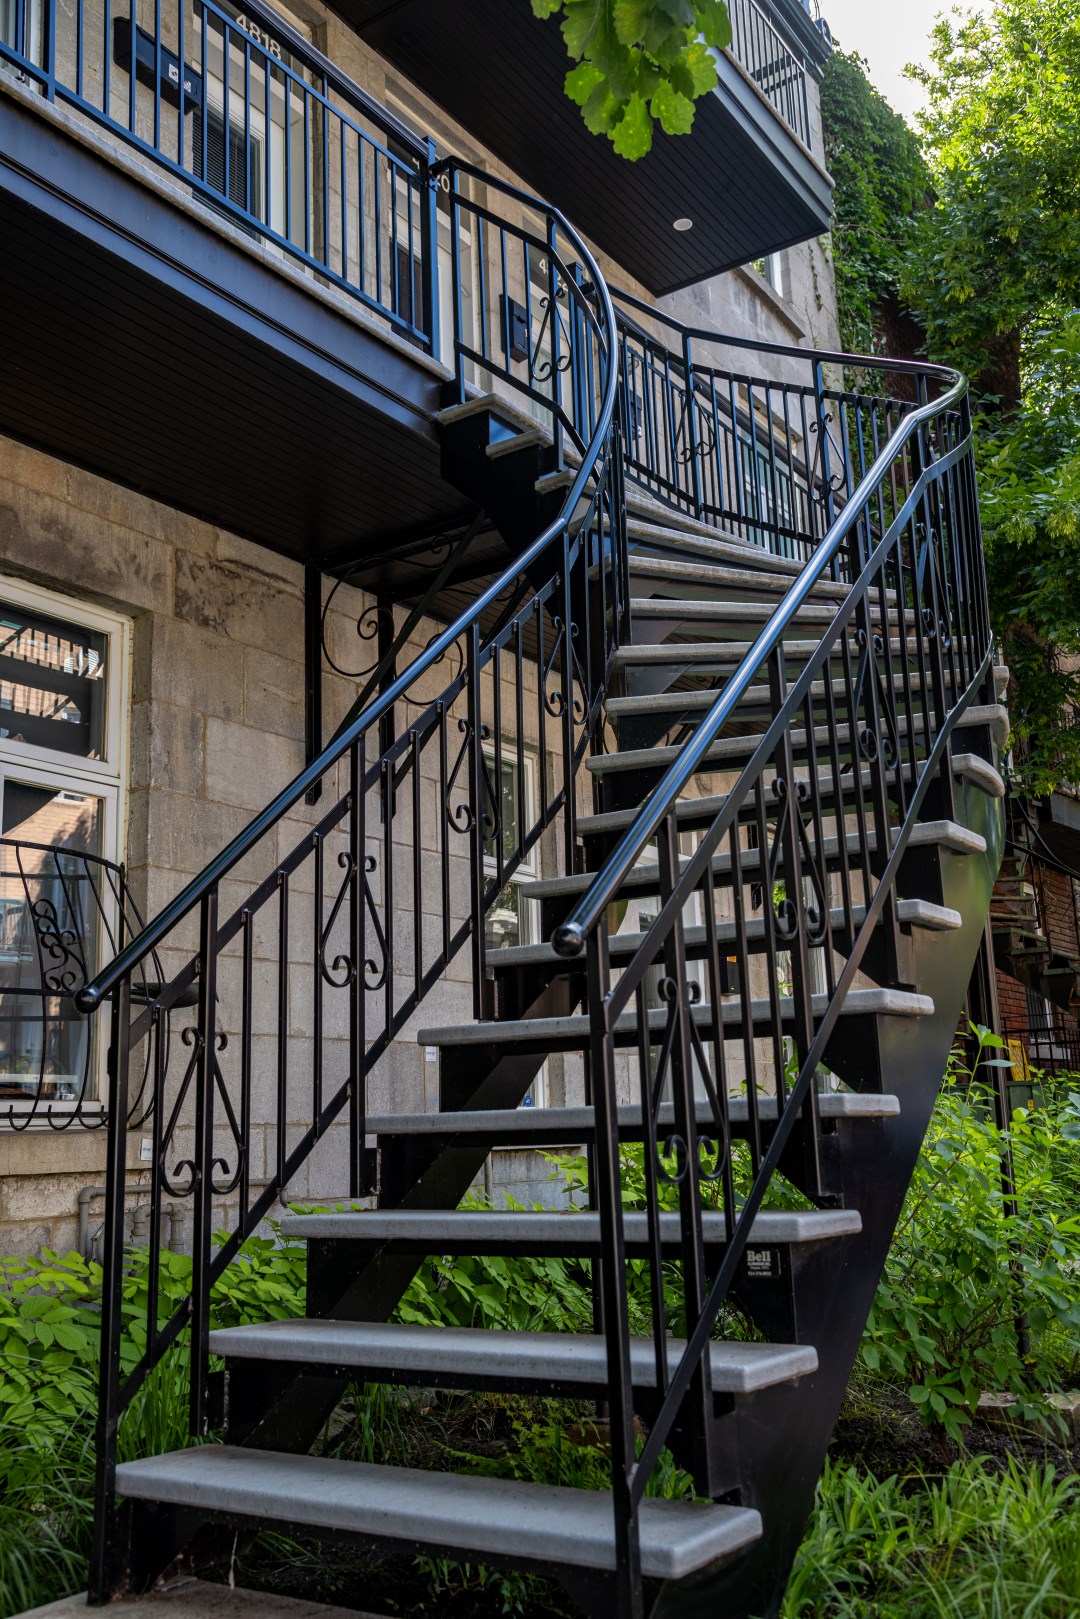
(195,1599)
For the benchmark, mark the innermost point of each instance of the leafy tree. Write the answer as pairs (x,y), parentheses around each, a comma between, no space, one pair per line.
(639,62)
(999,256)
(993,276)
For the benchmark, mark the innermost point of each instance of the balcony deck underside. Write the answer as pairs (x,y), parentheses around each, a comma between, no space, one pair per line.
(742,178)
(153,351)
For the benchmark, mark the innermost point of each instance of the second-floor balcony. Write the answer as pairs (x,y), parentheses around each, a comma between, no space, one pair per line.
(231,276)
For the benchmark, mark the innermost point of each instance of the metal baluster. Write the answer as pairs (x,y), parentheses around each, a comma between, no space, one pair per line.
(104,1549)
(204,1166)
(317,917)
(612,1269)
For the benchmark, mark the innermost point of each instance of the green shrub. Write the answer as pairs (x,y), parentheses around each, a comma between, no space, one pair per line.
(963,1267)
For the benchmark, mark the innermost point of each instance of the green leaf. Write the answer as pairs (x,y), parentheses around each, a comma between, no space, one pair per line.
(632,135)
(632,19)
(674,112)
(714,23)
(581,81)
(546,8)
(579,25)
(702,69)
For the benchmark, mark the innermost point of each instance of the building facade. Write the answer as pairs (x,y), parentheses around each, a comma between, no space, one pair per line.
(229,307)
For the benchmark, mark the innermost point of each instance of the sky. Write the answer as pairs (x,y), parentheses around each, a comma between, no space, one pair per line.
(888,33)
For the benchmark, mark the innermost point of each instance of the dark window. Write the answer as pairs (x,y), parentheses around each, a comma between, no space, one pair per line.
(241,161)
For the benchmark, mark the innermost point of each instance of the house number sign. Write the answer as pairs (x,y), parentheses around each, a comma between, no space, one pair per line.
(267,41)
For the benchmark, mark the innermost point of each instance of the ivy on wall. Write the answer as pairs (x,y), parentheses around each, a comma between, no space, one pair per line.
(882,182)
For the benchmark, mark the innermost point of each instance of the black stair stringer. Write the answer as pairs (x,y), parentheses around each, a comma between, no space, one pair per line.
(505,486)
(783,1435)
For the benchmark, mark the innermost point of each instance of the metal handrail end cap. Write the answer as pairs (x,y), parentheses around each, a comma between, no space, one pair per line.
(568,939)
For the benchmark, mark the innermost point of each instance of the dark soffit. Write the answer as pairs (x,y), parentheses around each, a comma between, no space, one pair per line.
(748,185)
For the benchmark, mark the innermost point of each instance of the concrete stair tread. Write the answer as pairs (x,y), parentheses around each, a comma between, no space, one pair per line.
(681,609)
(739,573)
(470,1516)
(476,1230)
(979,771)
(640,503)
(504,409)
(576,1124)
(524,439)
(645,876)
(711,545)
(409,1351)
(688,701)
(702,811)
(729,748)
(575,1028)
(722,654)
(916,912)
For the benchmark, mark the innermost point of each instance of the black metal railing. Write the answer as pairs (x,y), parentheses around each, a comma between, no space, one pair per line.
(311,940)
(772,459)
(779,74)
(259,124)
(1052,1048)
(63,913)
(816,823)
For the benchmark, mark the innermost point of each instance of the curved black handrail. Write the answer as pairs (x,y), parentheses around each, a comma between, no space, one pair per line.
(92,995)
(790,351)
(771,458)
(569,938)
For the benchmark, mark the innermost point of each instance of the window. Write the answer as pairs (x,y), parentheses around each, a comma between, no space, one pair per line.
(767,495)
(512,918)
(21,30)
(771,268)
(63,673)
(263,106)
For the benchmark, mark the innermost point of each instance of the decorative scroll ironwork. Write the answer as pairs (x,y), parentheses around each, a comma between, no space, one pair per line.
(62,912)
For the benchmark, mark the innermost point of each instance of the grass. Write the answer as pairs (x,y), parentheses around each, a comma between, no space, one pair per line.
(973,1543)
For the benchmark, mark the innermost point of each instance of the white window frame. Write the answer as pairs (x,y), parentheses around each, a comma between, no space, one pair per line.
(527,871)
(770,267)
(106,778)
(112,768)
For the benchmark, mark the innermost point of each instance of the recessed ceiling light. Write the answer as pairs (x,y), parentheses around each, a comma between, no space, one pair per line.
(684,224)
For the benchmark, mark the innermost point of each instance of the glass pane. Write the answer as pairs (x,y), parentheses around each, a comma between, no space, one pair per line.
(507,922)
(509,809)
(51,909)
(52,683)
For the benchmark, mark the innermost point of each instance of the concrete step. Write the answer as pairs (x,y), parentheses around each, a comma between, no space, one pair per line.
(622,946)
(572,1033)
(723,577)
(467,1517)
(718,654)
(695,813)
(645,877)
(749,615)
(574,1126)
(485,1231)
(657,536)
(699,701)
(730,751)
(483,1358)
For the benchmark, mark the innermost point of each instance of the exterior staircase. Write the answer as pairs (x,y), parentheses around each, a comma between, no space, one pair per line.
(770,775)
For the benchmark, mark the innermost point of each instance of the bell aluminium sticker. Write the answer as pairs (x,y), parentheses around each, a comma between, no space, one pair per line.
(763,1262)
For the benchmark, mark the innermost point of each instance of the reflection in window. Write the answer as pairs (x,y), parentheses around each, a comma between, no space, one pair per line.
(51,904)
(52,683)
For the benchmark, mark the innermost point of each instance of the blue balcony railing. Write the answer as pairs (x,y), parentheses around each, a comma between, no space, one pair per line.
(777,71)
(258,124)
